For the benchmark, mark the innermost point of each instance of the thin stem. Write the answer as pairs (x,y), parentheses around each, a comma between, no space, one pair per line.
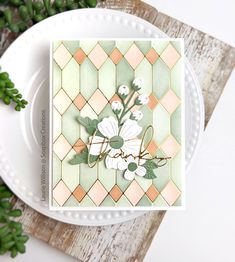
(129,99)
(125,105)
(129,109)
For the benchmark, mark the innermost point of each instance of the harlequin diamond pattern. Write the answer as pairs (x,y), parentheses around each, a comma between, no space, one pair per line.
(98,101)
(62,56)
(152,193)
(170,146)
(134,56)
(61,193)
(152,56)
(170,56)
(79,101)
(98,56)
(97,193)
(61,101)
(152,101)
(79,193)
(170,101)
(170,193)
(79,56)
(116,64)
(116,56)
(79,146)
(134,192)
(61,147)
(152,147)
(115,193)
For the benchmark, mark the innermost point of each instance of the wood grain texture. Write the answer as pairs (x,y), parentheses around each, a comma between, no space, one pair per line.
(213,61)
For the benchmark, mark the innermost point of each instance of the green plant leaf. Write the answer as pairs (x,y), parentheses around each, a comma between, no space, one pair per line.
(150,166)
(89,124)
(11,238)
(82,158)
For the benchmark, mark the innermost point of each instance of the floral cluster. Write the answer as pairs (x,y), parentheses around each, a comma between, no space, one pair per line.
(115,138)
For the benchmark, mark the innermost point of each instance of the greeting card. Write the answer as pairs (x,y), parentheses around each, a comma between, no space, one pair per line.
(117,136)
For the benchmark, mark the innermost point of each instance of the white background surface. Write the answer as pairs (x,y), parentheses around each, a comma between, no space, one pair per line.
(206,230)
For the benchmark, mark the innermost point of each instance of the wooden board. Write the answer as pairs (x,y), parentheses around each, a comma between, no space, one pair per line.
(213,61)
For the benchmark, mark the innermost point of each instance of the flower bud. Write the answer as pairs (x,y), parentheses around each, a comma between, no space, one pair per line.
(137,84)
(123,91)
(142,100)
(116,107)
(136,115)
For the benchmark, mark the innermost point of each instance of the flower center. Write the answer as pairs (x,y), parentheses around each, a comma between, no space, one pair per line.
(132,167)
(116,142)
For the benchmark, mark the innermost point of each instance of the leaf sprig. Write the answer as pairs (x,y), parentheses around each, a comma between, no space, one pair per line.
(10,94)
(12,238)
(30,12)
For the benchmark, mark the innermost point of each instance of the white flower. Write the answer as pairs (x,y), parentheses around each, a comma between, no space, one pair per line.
(123,91)
(117,142)
(136,115)
(134,167)
(116,107)
(142,100)
(137,84)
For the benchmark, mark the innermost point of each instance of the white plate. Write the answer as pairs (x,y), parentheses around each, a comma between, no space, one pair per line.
(27,61)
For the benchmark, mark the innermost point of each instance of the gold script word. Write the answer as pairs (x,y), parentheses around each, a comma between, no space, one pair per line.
(143,154)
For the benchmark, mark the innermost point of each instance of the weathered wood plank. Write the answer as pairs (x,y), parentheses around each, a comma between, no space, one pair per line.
(131,239)
(213,61)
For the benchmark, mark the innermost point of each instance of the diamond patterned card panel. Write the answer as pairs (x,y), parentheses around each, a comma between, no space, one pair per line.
(88,71)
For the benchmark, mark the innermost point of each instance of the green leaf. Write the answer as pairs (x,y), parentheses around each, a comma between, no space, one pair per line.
(149,174)
(3,230)
(8,245)
(14,252)
(150,166)
(82,158)
(98,133)
(15,213)
(89,124)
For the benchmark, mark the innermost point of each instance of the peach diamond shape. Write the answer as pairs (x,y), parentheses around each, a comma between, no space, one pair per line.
(170,193)
(62,56)
(152,56)
(134,193)
(152,193)
(98,56)
(170,56)
(97,193)
(79,146)
(61,147)
(79,56)
(115,98)
(61,101)
(98,101)
(170,146)
(61,193)
(152,101)
(79,193)
(134,56)
(115,193)
(152,147)
(79,101)
(116,56)
(170,101)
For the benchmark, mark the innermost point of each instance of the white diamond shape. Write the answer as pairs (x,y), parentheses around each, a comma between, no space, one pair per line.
(61,147)
(61,101)
(62,56)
